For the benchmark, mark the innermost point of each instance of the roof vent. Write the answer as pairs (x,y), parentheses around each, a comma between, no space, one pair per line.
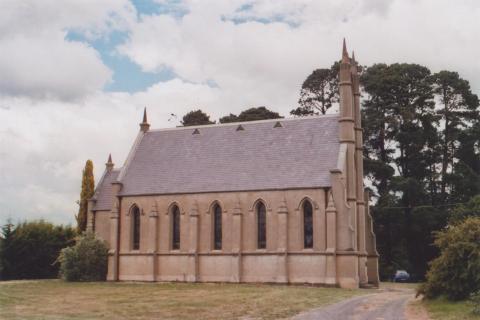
(278,125)
(196,131)
(240,128)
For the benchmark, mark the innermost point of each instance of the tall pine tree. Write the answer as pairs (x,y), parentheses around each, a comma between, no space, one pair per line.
(457,109)
(88,188)
(319,92)
(401,138)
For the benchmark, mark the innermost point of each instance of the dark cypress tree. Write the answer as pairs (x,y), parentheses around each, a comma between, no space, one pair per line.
(88,188)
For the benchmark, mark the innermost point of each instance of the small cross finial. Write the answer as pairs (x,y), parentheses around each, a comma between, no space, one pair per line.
(144,126)
(109,163)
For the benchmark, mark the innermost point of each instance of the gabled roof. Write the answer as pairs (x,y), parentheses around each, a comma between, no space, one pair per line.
(103,192)
(219,158)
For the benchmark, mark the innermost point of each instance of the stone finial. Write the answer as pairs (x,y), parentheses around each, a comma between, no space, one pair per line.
(282,208)
(154,210)
(331,203)
(345,57)
(114,214)
(194,211)
(353,58)
(237,210)
(109,163)
(144,126)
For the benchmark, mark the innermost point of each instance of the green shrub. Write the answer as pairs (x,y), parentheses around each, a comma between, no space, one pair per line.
(469,209)
(456,272)
(86,260)
(475,300)
(29,250)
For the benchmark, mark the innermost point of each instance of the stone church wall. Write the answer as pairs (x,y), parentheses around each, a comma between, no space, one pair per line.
(102,225)
(239,260)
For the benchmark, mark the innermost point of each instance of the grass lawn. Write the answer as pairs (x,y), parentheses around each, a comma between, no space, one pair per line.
(55,299)
(442,309)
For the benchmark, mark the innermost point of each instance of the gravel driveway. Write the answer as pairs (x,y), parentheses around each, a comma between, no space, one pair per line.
(383,305)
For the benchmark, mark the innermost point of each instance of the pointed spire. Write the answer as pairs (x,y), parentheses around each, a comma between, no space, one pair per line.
(145,115)
(354,70)
(109,163)
(345,57)
(144,126)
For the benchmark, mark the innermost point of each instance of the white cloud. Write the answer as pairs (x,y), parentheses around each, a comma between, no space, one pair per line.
(254,56)
(50,67)
(44,141)
(37,61)
(30,17)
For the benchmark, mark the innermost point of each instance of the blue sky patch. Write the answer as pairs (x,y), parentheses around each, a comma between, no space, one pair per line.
(242,15)
(174,8)
(127,75)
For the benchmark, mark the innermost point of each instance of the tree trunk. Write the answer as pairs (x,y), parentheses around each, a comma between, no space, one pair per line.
(445,157)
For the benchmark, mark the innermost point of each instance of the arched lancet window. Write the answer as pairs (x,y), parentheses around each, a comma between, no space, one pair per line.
(175,228)
(217,227)
(135,228)
(307,224)
(261,226)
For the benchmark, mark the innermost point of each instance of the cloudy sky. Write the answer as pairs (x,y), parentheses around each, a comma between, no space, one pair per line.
(76,74)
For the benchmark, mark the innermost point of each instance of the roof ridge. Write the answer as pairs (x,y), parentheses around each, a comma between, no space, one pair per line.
(244,123)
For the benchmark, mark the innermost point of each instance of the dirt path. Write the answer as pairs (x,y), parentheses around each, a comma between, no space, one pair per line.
(384,304)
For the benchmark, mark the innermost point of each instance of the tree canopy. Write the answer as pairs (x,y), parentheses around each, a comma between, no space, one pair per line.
(30,249)
(319,92)
(416,160)
(251,114)
(456,272)
(196,118)
(457,107)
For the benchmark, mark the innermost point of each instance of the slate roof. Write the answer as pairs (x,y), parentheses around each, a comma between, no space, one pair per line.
(103,192)
(262,156)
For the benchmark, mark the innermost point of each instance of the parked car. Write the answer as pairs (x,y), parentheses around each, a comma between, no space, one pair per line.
(401,276)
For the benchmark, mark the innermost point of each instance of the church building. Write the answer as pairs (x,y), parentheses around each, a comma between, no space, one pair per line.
(274,201)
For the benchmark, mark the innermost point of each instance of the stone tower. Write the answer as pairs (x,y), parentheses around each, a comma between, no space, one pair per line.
(353,221)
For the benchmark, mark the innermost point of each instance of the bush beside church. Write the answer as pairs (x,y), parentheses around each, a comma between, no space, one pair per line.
(85,261)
